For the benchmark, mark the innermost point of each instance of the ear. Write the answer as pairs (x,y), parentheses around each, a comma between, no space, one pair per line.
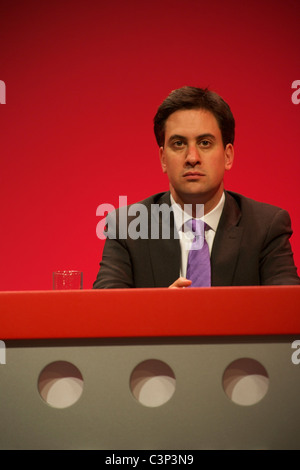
(162,159)
(229,156)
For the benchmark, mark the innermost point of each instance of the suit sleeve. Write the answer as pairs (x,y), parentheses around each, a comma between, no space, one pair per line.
(277,265)
(115,267)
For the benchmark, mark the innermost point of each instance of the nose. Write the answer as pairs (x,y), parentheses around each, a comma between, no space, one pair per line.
(192,156)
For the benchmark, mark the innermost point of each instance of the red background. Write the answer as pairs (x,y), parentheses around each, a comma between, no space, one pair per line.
(83,82)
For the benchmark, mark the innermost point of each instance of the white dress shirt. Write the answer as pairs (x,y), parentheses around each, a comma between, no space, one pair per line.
(186,237)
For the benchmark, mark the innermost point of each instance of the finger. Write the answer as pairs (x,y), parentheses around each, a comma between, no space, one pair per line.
(180,282)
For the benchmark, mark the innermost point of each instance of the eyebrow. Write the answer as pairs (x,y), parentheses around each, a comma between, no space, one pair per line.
(200,136)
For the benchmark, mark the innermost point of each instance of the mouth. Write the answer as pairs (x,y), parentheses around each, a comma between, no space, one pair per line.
(193,174)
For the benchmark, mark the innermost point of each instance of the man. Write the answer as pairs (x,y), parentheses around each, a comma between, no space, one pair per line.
(248,241)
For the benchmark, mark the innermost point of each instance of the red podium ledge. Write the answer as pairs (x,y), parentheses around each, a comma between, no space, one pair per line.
(115,313)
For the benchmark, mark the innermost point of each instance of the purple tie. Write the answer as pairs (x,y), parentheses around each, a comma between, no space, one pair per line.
(198,267)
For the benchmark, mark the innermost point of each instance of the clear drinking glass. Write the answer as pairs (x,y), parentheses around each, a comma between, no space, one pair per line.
(67,279)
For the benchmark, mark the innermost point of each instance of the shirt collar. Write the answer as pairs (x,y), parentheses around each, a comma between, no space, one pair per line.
(212,218)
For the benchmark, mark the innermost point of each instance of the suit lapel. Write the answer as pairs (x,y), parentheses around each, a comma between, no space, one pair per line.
(226,244)
(165,253)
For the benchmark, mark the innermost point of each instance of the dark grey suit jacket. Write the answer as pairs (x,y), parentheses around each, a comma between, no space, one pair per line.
(251,247)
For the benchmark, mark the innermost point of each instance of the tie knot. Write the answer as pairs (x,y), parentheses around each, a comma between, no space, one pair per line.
(197,226)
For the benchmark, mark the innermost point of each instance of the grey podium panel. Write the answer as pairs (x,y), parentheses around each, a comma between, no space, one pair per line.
(199,415)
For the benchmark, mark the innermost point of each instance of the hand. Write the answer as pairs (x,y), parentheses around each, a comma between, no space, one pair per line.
(180,283)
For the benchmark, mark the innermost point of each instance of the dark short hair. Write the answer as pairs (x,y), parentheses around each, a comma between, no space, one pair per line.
(189,97)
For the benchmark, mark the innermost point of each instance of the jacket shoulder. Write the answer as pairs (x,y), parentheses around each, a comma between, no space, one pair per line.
(130,211)
(246,203)
(158,198)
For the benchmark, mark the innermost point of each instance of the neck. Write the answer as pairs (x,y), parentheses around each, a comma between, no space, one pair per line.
(192,200)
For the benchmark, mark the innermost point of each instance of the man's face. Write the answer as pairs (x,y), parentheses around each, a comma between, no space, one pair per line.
(194,157)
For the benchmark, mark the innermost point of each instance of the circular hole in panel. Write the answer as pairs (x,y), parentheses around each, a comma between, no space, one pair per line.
(60,384)
(152,383)
(245,381)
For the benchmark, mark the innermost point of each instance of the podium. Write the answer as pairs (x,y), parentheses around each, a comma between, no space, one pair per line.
(150,369)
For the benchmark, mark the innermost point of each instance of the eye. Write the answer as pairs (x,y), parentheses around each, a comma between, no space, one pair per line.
(205,143)
(178,143)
